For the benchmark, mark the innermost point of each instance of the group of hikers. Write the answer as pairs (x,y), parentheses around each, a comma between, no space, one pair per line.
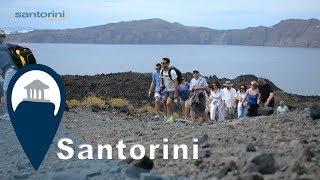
(211,101)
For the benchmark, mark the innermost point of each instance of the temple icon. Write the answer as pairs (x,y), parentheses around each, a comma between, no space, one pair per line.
(35,91)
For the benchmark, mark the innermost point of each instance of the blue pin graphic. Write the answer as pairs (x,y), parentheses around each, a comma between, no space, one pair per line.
(36,101)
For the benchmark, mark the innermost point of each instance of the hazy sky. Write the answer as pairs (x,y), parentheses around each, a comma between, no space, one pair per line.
(219,14)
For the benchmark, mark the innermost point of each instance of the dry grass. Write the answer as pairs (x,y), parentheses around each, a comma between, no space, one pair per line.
(73,103)
(87,102)
(93,101)
(146,109)
(119,103)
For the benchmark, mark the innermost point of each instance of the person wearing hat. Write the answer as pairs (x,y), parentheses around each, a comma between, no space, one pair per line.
(253,95)
(7,68)
(155,87)
(198,87)
(229,95)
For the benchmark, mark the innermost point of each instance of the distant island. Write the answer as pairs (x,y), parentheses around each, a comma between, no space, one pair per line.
(287,33)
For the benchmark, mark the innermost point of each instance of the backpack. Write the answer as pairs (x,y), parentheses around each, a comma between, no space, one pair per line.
(21,56)
(178,72)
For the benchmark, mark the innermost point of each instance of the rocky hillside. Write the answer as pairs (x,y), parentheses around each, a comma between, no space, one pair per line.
(291,32)
(134,87)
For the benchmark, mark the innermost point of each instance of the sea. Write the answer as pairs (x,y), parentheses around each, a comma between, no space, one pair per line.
(294,70)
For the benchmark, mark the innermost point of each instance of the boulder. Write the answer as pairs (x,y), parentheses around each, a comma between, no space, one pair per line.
(144,163)
(265,111)
(206,153)
(315,112)
(204,138)
(231,166)
(95,108)
(299,166)
(251,148)
(265,163)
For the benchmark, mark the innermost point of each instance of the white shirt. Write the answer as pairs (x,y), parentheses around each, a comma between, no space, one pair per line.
(229,96)
(241,96)
(200,82)
(216,96)
(282,109)
(167,81)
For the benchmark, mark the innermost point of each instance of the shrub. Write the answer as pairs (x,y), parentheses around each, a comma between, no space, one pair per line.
(73,103)
(93,101)
(119,103)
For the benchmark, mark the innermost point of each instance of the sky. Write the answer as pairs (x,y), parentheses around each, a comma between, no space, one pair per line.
(216,14)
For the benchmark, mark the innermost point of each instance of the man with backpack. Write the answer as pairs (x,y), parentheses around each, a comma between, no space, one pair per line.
(171,77)
(12,58)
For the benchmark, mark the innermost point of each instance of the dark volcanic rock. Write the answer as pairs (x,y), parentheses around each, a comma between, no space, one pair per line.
(265,111)
(265,163)
(251,148)
(145,163)
(230,166)
(315,112)
(204,138)
(134,87)
(95,108)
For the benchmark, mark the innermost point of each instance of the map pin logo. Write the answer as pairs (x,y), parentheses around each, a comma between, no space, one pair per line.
(36,101)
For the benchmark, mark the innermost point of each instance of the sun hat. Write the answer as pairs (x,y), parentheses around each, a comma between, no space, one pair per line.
(228,83)
(254,83)
(196,70)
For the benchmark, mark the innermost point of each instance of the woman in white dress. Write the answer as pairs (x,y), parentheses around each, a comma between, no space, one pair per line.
(216,105)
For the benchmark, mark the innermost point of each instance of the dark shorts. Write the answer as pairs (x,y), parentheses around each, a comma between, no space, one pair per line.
(199,106)
(168,94)
(253,110)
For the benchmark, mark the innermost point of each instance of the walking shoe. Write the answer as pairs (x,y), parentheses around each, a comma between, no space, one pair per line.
(171,120)
(165,119)
(156,118)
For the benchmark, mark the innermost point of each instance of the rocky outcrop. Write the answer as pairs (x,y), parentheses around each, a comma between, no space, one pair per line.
(134,87)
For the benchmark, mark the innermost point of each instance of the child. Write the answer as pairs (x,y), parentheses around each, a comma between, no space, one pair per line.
(282,109)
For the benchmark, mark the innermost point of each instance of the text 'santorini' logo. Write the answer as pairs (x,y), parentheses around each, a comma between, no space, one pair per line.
(36,100)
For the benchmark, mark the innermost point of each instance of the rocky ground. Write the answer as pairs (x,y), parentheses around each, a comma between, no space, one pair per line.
(14,164)
(273,147)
